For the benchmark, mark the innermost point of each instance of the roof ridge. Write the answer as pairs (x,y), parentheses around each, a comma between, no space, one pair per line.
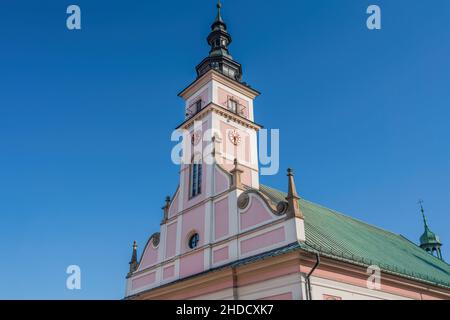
(351,218)
(339,213)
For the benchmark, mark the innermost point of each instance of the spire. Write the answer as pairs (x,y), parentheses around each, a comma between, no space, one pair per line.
(219,14)
(134,263)
(219,24)
(292,197)
(429,241)
(219,57)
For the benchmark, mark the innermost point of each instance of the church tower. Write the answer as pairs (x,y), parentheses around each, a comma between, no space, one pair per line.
(219,113)
(219,213)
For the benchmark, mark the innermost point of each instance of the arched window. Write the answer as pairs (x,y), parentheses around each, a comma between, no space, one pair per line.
(196,177)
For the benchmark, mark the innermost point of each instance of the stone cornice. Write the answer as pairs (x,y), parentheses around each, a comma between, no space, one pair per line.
(212,107)
(221,274)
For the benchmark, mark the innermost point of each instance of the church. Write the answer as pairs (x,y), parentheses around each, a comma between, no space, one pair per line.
(226,236)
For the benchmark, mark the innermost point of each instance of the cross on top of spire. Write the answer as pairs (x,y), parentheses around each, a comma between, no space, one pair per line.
(423,213)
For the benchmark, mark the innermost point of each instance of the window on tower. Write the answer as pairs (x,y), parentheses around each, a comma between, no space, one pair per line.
(194,108)
(232,105)
(198,106)
(196,177)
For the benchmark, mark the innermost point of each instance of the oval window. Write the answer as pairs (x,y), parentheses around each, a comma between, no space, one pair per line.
(193,241)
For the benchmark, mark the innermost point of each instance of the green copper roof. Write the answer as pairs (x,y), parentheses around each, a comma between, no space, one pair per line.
(336,235)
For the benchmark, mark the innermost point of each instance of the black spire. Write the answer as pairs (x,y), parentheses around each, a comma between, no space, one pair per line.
(219,16)
(219,57)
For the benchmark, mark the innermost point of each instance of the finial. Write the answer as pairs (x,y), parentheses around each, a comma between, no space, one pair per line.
(423,213)
(134,263)
(421,205)
(219,15)
(292,197)
(292,191)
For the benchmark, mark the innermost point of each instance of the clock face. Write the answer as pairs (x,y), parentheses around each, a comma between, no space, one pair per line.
(196,138)
(234,137)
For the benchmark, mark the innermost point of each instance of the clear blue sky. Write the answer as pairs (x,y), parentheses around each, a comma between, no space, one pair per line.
(364,119)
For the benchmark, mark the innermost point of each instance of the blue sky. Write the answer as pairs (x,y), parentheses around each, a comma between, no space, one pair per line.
(363,117)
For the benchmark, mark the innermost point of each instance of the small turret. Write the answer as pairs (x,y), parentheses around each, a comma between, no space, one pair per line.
(429,241)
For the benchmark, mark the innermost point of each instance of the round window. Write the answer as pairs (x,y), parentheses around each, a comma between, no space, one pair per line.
(194,240)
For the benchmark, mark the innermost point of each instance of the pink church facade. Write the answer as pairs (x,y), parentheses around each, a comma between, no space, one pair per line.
(225,236)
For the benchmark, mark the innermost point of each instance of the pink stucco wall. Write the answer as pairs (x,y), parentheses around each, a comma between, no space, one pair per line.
(222,182)
(242,151)
(150,257)
(246,176)
(284,296)
(169,272)
(256,213)
(223,97)
(143,281)
(279,271)
(203,96)
(221,218)
(264,240)
(193,221)
(202,290)
(174,206)
(192,264)
(221,255)
(171,240)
